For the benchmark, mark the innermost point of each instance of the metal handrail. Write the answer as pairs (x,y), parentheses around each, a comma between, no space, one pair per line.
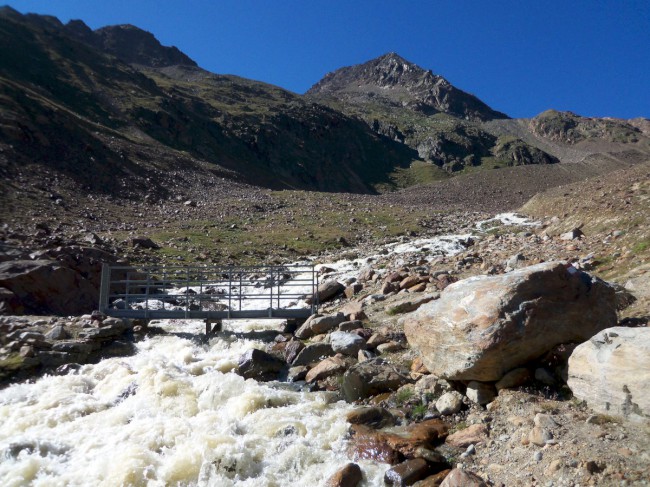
(207,292)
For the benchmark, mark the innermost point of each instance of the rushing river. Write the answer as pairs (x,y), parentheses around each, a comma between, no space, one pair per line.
(175,413)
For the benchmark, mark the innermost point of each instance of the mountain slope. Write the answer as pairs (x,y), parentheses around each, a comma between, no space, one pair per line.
(424,111)
(77,109)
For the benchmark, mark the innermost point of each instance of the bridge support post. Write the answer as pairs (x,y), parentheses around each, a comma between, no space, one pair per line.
(209,329)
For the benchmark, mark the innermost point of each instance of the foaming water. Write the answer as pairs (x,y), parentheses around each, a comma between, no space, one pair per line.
(173,414)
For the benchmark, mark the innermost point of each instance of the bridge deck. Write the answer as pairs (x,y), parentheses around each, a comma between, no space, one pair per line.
(212,293)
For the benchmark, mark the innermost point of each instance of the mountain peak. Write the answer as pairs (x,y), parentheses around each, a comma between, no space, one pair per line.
(400,82)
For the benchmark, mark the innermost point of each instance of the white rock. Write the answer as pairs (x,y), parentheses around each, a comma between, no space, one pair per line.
(611,372)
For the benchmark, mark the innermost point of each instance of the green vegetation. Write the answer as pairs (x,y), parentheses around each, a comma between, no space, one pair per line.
(404,395)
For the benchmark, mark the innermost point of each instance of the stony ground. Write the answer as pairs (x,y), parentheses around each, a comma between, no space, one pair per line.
(613,241)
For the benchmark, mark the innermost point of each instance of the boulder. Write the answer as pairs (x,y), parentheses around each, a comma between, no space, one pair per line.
(372,377)
(144,243)
(374,416)
(326,291)
(472,435)
(324,324)
(449,403)
(462,478)
(611,372)
(48,286)
(62,281)
(480,392)
(259,365)
(348,476)
(347,343)
(314,352)
(326,368)
(485,326)
(407,472)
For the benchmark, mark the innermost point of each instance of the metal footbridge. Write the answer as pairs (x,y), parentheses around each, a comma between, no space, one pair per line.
(210,293)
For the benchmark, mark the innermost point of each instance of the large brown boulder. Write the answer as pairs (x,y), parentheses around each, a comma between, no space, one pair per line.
(61,281)
(485,326)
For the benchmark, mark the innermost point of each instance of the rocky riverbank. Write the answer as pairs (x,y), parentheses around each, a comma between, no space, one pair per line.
(429,422)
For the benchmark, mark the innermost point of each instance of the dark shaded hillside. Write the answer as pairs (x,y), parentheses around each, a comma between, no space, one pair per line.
(79,110)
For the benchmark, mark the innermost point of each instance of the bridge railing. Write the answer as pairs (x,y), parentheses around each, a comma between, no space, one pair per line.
(208,292)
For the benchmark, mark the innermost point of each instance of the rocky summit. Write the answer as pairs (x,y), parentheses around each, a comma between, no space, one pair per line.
(483,282)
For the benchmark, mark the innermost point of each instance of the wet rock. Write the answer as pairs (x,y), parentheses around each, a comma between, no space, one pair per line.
(449,403)
(314,352)
(372,377)
(80,347)
(259,365)
(408,472)
(297,373)
(433,480)
(485,326)
(472,435)
(348,476)
(52,359)
(66,369)
(611,372)
(376,417)
(347,343)
(292,350)
(462,478)
(404,442)
(326,368)
(118,348)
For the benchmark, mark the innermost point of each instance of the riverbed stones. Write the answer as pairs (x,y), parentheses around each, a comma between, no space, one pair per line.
(449,403)
(485,326)
(347,343)
(407,472)
(313,352)
(326,291)
(611,372)
(462,478)
(372,377)
(474,434)
(324,324)
(348,476)
(326,368)
(480,392)
(374,416)
(259,365)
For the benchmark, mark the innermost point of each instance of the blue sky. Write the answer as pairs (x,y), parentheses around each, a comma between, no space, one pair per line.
(520,57)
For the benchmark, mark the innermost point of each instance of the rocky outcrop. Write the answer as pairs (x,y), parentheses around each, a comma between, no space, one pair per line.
(611,372)
(485,326)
